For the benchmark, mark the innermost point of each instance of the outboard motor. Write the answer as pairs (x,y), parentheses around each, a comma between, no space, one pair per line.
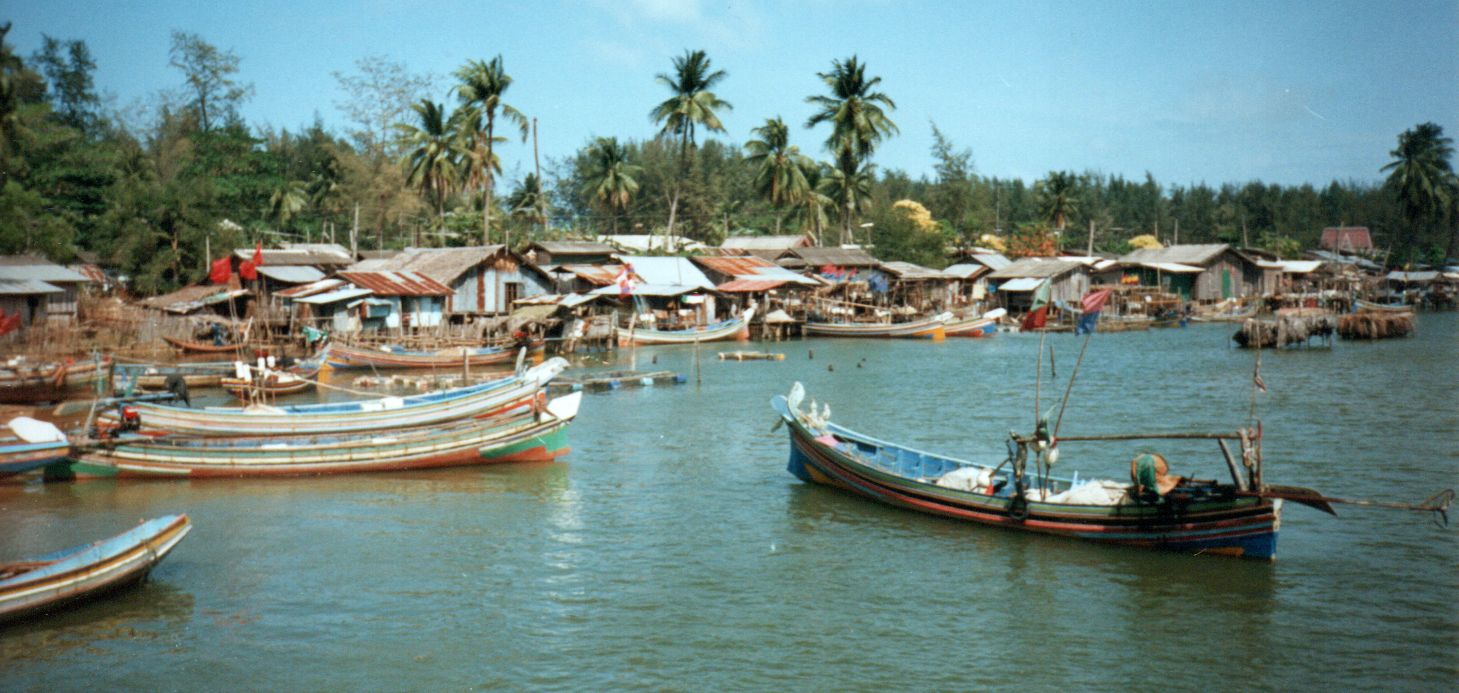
(177,385)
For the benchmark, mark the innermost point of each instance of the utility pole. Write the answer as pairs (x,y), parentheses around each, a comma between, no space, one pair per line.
(355,234)
(1177,232)
(1090,253)
(537,163)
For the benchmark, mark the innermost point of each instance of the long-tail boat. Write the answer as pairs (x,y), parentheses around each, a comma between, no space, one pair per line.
(191,347)
(734,328)
(926,328)
(1239,518)
(153,376)
(535,435)
(974,326)
(387,357)
(31,445)
(1362,304)
(46,582)
(474,401)
(21,383)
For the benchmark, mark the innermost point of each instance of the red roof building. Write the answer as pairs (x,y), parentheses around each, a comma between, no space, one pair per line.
(1351,239)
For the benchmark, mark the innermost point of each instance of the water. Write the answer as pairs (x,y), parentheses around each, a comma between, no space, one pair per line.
(671,550)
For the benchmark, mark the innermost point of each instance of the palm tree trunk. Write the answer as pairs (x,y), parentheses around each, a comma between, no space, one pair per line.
(486,199)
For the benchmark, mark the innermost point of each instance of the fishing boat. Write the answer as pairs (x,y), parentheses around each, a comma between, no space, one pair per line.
(32,444)
(535,435)
(254,383)
(475,401)
(926,328)
(46,582)
(390,356)
(1226,311)
(737,328)
(153,376)
(22,383)
(1362,305)
(190,347)
(980,326)
(1240,518)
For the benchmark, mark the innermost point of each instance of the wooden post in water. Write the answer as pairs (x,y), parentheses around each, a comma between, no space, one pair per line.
(698,376)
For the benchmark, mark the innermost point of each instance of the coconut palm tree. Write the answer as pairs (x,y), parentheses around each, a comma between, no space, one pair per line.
(431,153)
(610,181)
(858,123)
(528,202)
(780,173)
(1423,179)
(482,86)
(287,201)
(691,105)
(810,209)
(1056,198)
(851,192)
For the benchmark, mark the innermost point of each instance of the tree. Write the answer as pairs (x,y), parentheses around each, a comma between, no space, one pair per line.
(1423,179)
(858,124)
(70,81)
(692,105)
(952,197)
(610,180)
(210,75)
(851,192)
(528,203)
(780,167)
(432,151)
(1057,198)
(482,87)
(287,201)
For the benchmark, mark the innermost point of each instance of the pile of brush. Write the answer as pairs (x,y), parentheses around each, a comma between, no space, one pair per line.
(1286,330)
(1375,325)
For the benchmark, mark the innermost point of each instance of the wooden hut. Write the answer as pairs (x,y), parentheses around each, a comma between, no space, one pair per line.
(1203,273)
(484,280)
(1014,284)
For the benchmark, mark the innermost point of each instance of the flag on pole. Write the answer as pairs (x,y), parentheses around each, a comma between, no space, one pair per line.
(1091,305)
(249,269)
(220,270)
(1038,310)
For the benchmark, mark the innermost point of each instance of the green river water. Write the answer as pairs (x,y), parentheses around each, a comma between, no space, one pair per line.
(672,551)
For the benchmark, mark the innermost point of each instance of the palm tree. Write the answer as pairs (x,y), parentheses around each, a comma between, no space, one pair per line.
(851,192)
(528,202)
(481,89)
(858,122)
(1423,179)
(287,201)
(780,176)
(610,178)
(810,209)
(692,105)
(432,150)
(1056,198)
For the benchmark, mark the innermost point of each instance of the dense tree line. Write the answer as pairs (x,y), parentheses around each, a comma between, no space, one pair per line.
(154,193)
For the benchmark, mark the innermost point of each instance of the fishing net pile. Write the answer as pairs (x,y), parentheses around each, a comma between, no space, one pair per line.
(1374,325)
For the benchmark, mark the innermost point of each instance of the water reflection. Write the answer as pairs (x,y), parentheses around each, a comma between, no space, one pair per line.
(153,611)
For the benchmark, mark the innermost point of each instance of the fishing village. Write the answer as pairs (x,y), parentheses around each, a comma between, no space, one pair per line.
(410,400)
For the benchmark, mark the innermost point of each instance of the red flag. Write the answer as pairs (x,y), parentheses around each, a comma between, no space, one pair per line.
(1094,300)
(248,270)
(222,267)
(1036,318)
(258,255)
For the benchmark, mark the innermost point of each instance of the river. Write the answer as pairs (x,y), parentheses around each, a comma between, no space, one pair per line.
(671,549)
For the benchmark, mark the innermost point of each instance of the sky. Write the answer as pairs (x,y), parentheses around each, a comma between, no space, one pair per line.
(1215,92)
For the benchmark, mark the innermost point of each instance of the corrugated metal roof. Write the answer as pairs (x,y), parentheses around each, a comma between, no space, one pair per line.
(732,265)
(597,275)
(444,265)
(575,247)
(1198,255)
(26,267)
(745,286)
(765,242)
(335,296)
(1036,267)
(27,287)
(1171,267)
(1413,276)
(838,257)
(992,260)
(1021,284)
(90,271)
(385,283)
(668,272)
(309,255)
(966,271)
(311,288)
(292,274)
(908,271)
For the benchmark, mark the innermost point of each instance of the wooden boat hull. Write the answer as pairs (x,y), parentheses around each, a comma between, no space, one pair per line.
(971,327)
(19,457)
(931,328)
(734,328)
(1361,304)
(51,382)
(191,347)
(1237,526)
(346,357)
(476,401)
(92,570)
(275,386)
(531,436)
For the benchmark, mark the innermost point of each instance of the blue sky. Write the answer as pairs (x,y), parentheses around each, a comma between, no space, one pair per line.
(1285,92)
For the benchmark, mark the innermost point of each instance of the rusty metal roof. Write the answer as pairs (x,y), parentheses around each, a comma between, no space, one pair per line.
(745,286)
(402,283)
(597,275)
(733,266)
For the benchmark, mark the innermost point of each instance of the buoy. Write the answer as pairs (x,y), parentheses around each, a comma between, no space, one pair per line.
(830,366)
(811,353)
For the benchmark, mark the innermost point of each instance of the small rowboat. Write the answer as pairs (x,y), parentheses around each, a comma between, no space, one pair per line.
(387,357)
(1239,518)
(273,383)
(735,328)
(475,401)
(34,444)
(533,436)
(153,376)
(927,328)
(979,326)
(191,347)
(45,582)
(1362,305)
(51,382)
